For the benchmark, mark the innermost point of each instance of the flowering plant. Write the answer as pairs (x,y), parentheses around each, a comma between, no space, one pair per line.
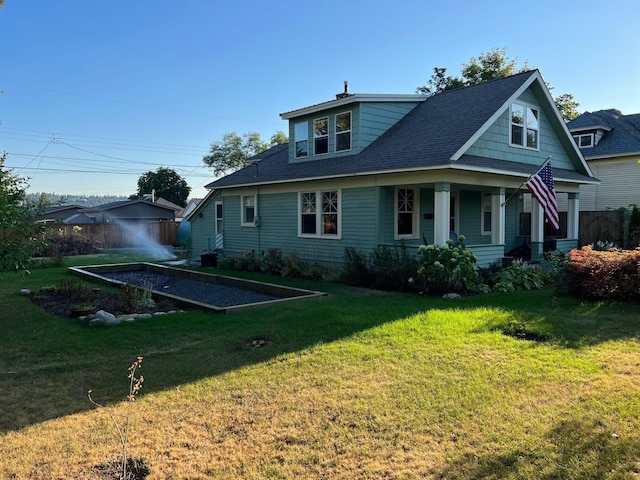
(447,268)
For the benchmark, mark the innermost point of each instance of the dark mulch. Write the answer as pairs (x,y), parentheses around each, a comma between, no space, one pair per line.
(58,302)
(137,469)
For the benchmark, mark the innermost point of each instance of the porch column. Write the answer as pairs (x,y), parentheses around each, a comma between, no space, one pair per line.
(441,213)
(573,216)
(537,231)
(498,217)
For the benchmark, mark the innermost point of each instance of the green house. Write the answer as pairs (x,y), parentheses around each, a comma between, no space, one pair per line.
(364,170)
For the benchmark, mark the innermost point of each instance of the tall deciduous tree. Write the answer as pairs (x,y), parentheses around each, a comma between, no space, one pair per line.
(232,152)
(490,66)
(166,183)
(19,236)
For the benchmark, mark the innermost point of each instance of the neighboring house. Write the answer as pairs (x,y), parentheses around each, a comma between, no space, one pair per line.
(59,213)
(191,206)
(131,211)
(366,170)
(610,143)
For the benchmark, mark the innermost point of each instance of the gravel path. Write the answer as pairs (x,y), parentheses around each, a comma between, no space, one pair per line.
(205,292)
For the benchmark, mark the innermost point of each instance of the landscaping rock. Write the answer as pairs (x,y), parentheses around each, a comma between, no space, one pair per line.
(105,318)
(451,296)
(25,291)
(143,316)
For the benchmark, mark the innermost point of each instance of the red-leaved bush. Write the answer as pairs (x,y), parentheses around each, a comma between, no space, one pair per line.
(612,276)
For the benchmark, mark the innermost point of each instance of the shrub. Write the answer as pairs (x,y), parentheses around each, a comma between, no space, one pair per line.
(293,266)
(634,227)
(520,276)
(356,270)
(273,262)
(448,268)
(392,269)
(610,276)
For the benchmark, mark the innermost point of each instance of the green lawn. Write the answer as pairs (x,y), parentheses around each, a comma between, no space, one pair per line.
(357,384)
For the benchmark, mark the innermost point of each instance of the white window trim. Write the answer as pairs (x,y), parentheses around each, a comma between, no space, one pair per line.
(296,140)
(578,138)
(483,211)
(319,233)
(416,213)
(524,133)
(255,211)
(315,137)
(336,133)
(217,219)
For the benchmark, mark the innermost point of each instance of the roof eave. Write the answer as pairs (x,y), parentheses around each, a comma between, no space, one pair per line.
(353,98)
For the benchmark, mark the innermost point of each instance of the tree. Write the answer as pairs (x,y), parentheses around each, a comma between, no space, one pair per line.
(20,237)
(166,183)
(231,154)
(490,66)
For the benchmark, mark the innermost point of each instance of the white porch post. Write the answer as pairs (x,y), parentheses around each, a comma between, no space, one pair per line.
(537,231)
(442,213)
(573,216)
(498,223)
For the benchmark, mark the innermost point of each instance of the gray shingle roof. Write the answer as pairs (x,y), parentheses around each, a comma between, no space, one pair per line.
(428,136)
(622,138)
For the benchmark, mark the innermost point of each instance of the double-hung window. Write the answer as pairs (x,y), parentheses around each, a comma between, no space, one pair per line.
(321,136)
(320,213)
(301,138)
(525,126)
(343,131)
(249,212)
(406,212)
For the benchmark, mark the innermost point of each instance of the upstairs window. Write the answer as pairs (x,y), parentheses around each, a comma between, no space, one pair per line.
(584,141)
(525,126)
(301,137)
(320,214)
(321,136)
(343,131)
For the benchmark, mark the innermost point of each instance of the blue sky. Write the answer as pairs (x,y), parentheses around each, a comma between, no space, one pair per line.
(97,93)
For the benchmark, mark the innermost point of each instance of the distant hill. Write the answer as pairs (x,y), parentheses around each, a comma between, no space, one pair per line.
(84,200)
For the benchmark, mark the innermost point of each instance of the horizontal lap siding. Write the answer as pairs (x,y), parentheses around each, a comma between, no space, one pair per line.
(203,228)
(279,227)
(377,118)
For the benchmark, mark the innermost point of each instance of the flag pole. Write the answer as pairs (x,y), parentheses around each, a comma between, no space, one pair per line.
(523,183)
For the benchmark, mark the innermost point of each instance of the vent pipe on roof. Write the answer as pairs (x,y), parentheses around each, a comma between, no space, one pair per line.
(346,93)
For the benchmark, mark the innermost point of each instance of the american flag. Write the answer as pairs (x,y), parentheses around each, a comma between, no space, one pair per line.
(542,187)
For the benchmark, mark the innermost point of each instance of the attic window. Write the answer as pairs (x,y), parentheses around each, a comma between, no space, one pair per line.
(321,135)
(301,136)
(525,126)
(343,131)
(584,141)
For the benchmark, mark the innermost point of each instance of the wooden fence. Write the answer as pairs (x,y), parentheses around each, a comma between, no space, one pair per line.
(111,235)
(605,226)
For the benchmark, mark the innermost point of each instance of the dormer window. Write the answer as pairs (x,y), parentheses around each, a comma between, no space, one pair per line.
(301,138)
(321,135)
(584,140)
(525,126)
(343,131)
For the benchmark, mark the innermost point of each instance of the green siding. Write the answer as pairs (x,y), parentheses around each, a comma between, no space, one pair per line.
(203,228)
(377,118)
(369,120)
(494,143)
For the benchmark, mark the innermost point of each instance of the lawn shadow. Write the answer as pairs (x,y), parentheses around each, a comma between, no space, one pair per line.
(576,446)
(48,363)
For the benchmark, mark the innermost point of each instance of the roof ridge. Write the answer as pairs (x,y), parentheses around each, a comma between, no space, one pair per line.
(493,80)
